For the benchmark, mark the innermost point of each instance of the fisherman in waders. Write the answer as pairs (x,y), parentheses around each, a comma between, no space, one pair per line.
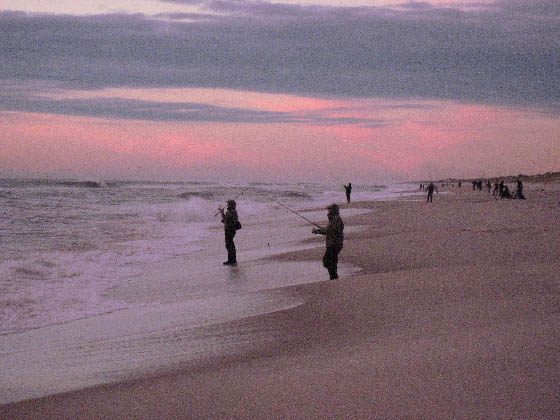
(231,225)
(335,239)
(348,191)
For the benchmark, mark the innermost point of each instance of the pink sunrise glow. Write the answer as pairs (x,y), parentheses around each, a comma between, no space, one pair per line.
(413,141)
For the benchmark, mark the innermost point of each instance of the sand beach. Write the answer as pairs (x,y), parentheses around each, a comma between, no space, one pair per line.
(454,315)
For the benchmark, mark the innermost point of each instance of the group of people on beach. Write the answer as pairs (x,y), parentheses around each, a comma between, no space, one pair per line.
(501,190)
(334,232)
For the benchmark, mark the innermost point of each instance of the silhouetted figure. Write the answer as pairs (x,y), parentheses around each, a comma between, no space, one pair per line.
(496,188)
(501,188)
(334,241)
(489,186)
(231,225)
(348,191)
(430,190)
(519,192)
(505,192)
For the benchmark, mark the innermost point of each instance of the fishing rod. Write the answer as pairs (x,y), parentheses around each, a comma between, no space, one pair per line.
(293,211)
(234,198)
(338,181)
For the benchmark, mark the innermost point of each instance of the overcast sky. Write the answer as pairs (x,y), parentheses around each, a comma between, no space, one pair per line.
(213,89)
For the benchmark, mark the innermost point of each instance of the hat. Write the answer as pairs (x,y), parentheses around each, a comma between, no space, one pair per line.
(333,208)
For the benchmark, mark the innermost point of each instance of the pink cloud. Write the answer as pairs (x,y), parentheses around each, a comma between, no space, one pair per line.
(441,139)
(45,143)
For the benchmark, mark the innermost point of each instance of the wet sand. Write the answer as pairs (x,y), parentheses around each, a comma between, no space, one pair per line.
(455,315)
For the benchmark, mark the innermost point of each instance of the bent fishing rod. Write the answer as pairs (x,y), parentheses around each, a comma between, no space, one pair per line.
(293,211)
(234,198)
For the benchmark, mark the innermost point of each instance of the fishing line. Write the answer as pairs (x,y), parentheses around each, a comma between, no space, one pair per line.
(234,198)
(293,211)
(338,180)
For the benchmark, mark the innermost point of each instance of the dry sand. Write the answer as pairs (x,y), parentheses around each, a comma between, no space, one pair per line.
(455,315)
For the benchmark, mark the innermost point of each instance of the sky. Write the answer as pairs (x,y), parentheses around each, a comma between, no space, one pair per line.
(284,90)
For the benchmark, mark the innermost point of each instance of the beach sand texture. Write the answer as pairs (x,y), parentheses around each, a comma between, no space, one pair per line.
(455,315)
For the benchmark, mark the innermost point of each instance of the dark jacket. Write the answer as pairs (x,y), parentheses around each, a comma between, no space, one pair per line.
(230,220)
(334,231)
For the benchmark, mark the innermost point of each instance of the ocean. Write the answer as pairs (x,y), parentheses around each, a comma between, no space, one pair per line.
(93,271)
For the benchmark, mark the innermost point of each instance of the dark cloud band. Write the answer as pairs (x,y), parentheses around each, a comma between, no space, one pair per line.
(504,54)
(23,100)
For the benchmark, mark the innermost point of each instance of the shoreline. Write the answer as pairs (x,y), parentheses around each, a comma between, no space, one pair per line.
(454,315)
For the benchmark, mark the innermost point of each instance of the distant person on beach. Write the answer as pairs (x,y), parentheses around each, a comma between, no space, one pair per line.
(519,192)
(430,190)
(496,188)
(501,188)
(335,238)
(505,192)
(348,189)
(489,186)
(231,225)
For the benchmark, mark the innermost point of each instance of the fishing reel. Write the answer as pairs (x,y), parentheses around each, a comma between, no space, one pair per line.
(220,210)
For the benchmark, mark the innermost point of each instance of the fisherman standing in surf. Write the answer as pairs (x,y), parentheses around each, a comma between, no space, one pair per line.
(335,238)
(231,225)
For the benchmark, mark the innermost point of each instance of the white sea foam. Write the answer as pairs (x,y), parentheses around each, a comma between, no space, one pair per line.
(112,280)
(66,244)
